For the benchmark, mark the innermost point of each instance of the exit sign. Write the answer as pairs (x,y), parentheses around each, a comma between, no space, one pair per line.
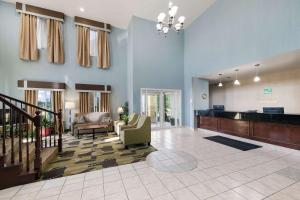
(268,90)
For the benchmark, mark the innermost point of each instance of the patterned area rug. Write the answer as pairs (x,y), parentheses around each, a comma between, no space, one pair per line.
(85,154)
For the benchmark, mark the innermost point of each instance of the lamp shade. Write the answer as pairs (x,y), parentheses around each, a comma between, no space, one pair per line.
(181,19)
(173,11)
(120,110)
(69,105)
(161,17)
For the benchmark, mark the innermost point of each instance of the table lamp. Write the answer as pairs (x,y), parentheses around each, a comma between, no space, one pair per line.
(120,111)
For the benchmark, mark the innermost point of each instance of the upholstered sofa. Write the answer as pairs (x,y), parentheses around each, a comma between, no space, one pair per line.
(132,122)
(93,118)
(139,135)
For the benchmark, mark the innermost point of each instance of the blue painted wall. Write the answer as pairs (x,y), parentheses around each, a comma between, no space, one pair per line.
(13,69)
(228,34)
(232,33)
(156,62)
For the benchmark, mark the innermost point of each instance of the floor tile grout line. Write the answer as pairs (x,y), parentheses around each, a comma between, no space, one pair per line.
(123,186)
(245,175)
(281,189)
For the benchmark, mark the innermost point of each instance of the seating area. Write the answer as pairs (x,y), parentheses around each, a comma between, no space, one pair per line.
(86,121)
(149,100)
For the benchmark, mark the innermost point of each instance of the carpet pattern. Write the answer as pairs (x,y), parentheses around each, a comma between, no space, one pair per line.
(85,154)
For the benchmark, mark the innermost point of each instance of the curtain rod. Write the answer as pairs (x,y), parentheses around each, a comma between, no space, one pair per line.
(47,89)
(93,27)
(93,91)
(39,15)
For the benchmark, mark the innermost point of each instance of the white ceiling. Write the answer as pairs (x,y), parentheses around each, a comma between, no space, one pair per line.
(119,12)
(275,64)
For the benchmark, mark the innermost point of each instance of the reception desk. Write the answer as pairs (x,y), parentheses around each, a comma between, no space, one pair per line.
(279,129)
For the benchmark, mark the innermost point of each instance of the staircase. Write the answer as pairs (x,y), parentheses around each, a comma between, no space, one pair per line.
(30,138)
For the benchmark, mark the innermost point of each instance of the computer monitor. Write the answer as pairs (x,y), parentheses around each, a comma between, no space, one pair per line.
(273,110)
(218,107)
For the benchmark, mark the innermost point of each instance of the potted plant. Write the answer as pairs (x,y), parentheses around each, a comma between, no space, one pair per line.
(46,126)
(125,119)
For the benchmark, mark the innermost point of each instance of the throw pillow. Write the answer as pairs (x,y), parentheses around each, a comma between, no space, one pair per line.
(81,120)
(106,120)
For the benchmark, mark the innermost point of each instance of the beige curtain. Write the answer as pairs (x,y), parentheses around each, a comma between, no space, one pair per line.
(57,101)
(83,46)
(57,104)
(55,44)
(28,40)
(105,102)
(31,97)
(84,102)
(103,50)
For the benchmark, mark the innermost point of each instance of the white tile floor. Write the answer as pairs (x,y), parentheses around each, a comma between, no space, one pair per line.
(222,172)
(172,161)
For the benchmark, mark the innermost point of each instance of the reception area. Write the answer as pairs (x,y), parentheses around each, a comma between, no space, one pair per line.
(258,101)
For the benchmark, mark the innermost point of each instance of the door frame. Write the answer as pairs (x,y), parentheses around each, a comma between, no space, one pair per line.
(161,99)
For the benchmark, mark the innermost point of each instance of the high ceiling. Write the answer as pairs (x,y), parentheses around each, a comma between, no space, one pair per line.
(119,12)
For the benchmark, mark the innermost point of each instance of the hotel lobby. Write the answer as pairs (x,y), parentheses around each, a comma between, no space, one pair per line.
(150,100)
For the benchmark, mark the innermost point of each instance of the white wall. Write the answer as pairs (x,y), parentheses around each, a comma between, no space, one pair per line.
(250,95)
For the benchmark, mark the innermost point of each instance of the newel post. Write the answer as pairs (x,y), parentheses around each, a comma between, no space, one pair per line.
(38,159)
(60,130)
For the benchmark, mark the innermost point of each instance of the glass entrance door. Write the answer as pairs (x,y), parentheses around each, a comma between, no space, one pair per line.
(163,106)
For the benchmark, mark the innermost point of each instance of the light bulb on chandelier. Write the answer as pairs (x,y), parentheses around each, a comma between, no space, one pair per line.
(163,26)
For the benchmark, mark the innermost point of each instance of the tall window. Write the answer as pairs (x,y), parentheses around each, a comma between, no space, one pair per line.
(93,43)
(97,97)
(41,33)
(44,101)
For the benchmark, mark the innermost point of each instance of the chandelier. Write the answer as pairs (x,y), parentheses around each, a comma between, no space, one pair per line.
(171,22)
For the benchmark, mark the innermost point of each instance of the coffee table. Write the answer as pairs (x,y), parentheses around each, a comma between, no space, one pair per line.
(91,128)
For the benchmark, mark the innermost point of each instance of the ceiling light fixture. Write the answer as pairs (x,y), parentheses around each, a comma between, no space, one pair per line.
(236,82)
(171,24)
(81,9)
(256,78)
(220,83)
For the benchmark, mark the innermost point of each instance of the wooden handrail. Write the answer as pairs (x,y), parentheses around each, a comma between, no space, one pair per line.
(28,104)
(2,99)
(20,126)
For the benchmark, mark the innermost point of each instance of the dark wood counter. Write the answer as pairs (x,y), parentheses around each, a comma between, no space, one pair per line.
(279,129)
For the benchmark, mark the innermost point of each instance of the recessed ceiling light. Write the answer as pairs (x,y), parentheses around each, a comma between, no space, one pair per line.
(81,9)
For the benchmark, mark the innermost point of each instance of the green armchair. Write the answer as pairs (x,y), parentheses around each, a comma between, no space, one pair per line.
(139,135)
(119,125)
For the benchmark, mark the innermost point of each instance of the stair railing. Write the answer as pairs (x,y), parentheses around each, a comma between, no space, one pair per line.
(51,123)
(15,134)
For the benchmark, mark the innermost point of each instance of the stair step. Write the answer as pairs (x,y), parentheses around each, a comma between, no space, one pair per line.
(8,145)
(13,180)
(12,170)
(16,154)
(47,155)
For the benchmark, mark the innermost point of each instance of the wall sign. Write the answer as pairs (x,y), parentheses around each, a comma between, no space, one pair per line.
(268,90)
